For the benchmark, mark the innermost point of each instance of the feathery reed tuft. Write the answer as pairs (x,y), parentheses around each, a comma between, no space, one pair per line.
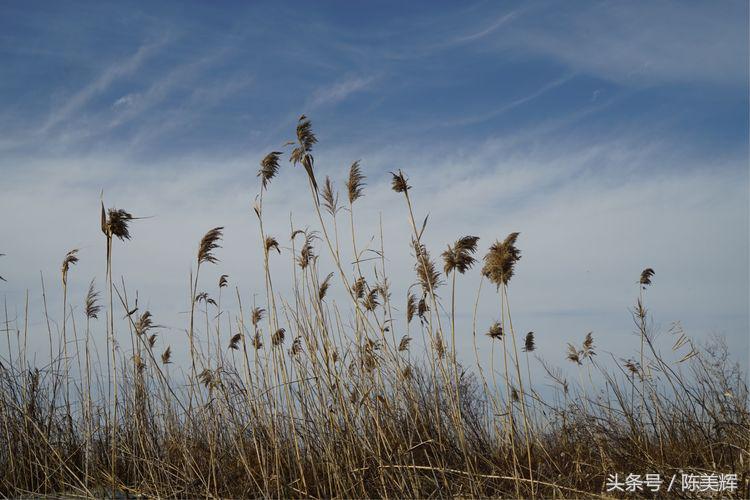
(70,259)
(356,183)
(460,256)
(166,356)
(92,307)
(427,274)
(257,315)
(272,243)
(234,342)
(324,286)
(404,344)
(411,307)
(209,243)
(500,261)
(399,182)
(223,281)
(358,287)
(528,344)
(646,276)
(278,337)
(330,197)
(269,166)
(496,331)
(301,154)
(117,223)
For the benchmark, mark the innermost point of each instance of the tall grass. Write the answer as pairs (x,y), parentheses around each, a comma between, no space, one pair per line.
(305,397)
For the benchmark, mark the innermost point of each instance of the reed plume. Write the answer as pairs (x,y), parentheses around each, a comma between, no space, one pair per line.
(528,344)
(500,261)
(399,182)
(646,276)
(269,166)
(302,152)
(69,260)
(92,307)
(496,331)
(166,356)
(460,256)
(208,244)
(330,198)
(355,183)
(324,286)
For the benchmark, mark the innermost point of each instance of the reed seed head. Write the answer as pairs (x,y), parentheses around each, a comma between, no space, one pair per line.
(257,315)
(278,337)
(404,344)
(117,223)
(269,166)
(500,261)
(411,307)
(496,331)
(646,276)
(427,274)
(166,356)
(574,354)
(358,287)
(209,243)
(330,197)
(528,344)
(92,307)
(223,281)
(356,183)
(399,182)
(69,260)
(459,257)
(324,286)
(234,342)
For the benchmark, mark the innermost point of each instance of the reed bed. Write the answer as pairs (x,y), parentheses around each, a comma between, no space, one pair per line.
(302,396)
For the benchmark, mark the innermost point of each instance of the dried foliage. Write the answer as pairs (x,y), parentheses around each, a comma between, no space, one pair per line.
(399,182)
(355,184)
(528,343)
(460,256)
(500,261)
(496,331)
(209,243)
(92,307)
(646,276)
(269,166)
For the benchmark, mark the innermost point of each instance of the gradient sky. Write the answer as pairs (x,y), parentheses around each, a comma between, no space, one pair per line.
(612,135)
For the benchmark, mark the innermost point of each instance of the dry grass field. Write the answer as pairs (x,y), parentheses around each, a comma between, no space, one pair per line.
(301,396)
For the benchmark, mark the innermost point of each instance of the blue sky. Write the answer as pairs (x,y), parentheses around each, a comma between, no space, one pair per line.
(612,135)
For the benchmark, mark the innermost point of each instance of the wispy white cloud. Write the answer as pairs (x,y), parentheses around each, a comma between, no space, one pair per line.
(74,103)
(339,91)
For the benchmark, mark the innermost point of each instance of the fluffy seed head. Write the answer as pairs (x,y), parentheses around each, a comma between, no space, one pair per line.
(69,260)
(330,197)
(257,315)
(356,183)
(460,257)
(500,261)
(272,244)
(269,166)
(92,308)
(496,331)
(404,344)
(209,243)
(324,286)
(223,281)
(234,342)
(411,307)
(117,223)
(646,276)
(278,337)
(528,343)
(166,356)
(398,182)
(427,274)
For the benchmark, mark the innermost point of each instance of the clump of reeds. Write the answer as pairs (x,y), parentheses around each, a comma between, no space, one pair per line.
(306,395)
